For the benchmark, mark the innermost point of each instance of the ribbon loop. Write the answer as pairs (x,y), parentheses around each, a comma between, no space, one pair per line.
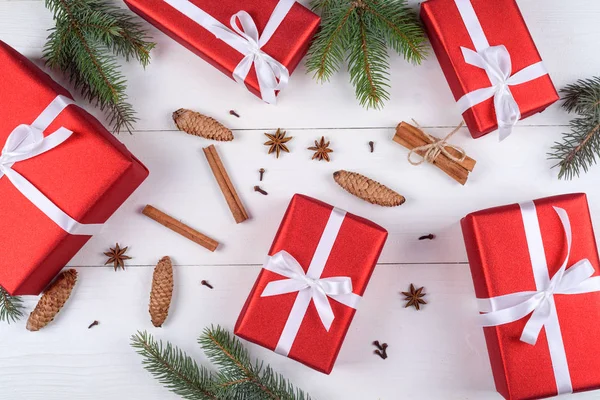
(20,143)
(248,29)
(244,37)
(28,141)
(497,63)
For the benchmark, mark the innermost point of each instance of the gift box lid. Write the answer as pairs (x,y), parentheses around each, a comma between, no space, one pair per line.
(354,254)
(448,33)
(88,177)
(500,263)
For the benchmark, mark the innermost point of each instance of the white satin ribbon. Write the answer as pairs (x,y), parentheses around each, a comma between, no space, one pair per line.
(310,285)
(497,63)
(28,141)
(576,279)
(244,37)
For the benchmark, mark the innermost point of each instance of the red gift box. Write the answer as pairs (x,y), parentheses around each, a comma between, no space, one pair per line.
(489,21)
(182,19)
(522,252)
(343,249)
(87,177)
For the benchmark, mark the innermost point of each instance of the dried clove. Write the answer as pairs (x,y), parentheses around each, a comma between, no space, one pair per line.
(381,349)
(372,146)
(431,236)
(259,190)
(262,172)
(208,285)
(95,323)
(232,112)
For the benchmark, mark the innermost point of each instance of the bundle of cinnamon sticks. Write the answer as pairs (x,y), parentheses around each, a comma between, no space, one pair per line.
(412,137)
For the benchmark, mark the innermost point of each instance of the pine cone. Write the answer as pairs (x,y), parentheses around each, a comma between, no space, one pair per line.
(53,299)
(200,125)
(162,291)
(367,189)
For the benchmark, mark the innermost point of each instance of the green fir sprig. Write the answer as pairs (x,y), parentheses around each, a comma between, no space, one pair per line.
(580,147)
(11,307)
(240,376)
(237,375)
(360,32)
(88,37)
(177,371)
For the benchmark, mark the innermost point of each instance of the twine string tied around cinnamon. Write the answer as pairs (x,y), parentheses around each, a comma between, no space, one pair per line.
(438,146)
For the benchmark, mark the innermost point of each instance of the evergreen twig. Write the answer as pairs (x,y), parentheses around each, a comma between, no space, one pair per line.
(238,377)
(581,146)
(88,37)
(243,378)
(174,369)
(360,32)
(11,307)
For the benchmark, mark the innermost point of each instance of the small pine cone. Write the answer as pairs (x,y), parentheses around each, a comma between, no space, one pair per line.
(200,125)
(162,291)
(367,189)
(53,299)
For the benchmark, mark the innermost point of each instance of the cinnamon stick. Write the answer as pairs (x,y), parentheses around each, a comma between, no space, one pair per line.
(231,196)
(180,227)
(412,137)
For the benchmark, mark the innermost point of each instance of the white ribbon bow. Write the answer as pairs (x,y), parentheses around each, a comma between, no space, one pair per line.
(512,307)
(28,141)
(285,264)
(497,63)
(272,75)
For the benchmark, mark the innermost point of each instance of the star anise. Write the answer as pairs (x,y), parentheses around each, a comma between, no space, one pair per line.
(117,257)
(321,150)
(414,298)
(277,142)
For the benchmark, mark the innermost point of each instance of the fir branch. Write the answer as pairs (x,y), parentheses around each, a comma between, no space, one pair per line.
(11,307)
(360,31)
(238,378)
(328,50)
(368,63)
(580,147)
(88,37)
(242,378)
(174,369)
(400,28)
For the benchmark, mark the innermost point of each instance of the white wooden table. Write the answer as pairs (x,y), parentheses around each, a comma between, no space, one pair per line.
(438,353)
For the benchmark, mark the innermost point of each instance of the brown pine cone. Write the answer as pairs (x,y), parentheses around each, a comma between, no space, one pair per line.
(162,291)
(367,189)
(200,125)
(53,299)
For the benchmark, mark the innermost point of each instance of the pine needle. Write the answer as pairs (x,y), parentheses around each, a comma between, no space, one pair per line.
(11,307)
(360,32)
(88,37)
(580,147)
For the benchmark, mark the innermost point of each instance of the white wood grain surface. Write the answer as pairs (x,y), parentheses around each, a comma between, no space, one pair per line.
(438,353)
